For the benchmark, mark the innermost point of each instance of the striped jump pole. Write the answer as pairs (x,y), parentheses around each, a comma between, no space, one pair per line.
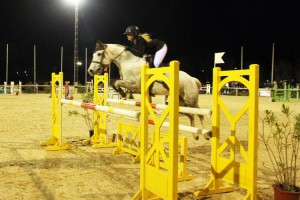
(106,109)
(99,139)
(195,111)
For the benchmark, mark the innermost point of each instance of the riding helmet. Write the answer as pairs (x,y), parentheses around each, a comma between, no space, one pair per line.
(134,30)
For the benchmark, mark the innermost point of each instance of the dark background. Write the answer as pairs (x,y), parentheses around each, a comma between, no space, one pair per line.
(194,30)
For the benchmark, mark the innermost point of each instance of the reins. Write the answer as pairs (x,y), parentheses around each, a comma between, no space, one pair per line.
(111,60)
(119,55)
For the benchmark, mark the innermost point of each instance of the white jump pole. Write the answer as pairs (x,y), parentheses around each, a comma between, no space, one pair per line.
(196,111)
(106,109)
(189,129)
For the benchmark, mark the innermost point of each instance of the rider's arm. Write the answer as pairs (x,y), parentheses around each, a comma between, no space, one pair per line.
(140,46)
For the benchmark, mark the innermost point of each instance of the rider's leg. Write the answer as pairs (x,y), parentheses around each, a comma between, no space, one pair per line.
(160,55)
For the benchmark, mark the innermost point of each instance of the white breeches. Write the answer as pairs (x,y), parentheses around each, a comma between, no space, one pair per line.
(160,55)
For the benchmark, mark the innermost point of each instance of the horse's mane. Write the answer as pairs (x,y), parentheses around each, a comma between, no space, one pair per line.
(119,45)
(129,53)
(100,45)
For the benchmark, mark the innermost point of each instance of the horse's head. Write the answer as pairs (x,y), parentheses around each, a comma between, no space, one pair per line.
(99,61)
(103,56)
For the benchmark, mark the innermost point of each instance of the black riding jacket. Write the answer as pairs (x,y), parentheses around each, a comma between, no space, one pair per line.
(138,46)
(154,46)
(141,47)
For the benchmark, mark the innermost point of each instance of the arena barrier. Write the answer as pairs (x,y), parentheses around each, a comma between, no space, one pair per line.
(230,170)
(99,139)
(12,89)
(282,94)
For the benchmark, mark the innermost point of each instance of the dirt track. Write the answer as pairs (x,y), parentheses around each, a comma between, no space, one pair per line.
(28,171)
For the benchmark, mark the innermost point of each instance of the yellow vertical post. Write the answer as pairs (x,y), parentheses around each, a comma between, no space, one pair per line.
(99,117)
(230,170)
(151,172)
(100,138)
(173,132)
(252,135)
(56,115)
(143,193)
(183,175)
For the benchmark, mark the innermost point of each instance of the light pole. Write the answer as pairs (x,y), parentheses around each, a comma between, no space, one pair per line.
(76,45)
(78,64)
(76,5)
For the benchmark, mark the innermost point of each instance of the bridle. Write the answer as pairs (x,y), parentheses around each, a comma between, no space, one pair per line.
(111,60)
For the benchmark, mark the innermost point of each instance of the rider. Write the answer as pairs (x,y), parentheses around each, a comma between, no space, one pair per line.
(142,43)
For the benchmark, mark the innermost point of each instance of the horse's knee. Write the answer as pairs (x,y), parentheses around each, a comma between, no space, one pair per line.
(201,118)
(192,119)
(122,93)
(113,85)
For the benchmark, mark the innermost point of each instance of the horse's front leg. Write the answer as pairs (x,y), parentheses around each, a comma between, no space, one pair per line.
(128,84)
(119,90)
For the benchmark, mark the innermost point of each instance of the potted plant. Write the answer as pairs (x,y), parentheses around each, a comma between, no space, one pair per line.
(87,114)
(281,139)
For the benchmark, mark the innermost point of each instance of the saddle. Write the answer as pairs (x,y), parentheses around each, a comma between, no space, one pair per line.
(150,60)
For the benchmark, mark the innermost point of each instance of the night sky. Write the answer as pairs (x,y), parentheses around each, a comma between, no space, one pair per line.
(193,30)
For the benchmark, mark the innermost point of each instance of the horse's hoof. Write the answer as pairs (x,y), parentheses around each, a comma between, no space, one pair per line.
(86,142)
(123,95)
(114,137)
(207,134)
(196,136)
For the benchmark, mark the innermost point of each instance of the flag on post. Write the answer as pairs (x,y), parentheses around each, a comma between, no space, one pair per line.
(218,58)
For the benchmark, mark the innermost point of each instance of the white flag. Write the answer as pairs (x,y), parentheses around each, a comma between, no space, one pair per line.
(218,57)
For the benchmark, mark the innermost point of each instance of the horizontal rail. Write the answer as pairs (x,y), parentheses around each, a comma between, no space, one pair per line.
(185,128)
(106,109)
(196,111)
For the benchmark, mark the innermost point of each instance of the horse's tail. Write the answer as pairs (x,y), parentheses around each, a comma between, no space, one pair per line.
(198,83)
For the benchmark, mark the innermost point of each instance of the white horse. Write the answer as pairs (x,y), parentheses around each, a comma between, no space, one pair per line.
(130,70)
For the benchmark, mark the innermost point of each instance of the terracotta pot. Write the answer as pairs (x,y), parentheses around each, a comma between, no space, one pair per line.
(91,132)
(280,194)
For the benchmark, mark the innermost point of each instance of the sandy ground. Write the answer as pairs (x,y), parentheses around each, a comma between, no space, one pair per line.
(28,171)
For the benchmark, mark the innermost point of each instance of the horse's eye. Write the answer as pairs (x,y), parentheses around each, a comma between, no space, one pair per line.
(99,54)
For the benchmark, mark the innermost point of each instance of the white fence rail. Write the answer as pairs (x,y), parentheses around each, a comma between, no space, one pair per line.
(18,88)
